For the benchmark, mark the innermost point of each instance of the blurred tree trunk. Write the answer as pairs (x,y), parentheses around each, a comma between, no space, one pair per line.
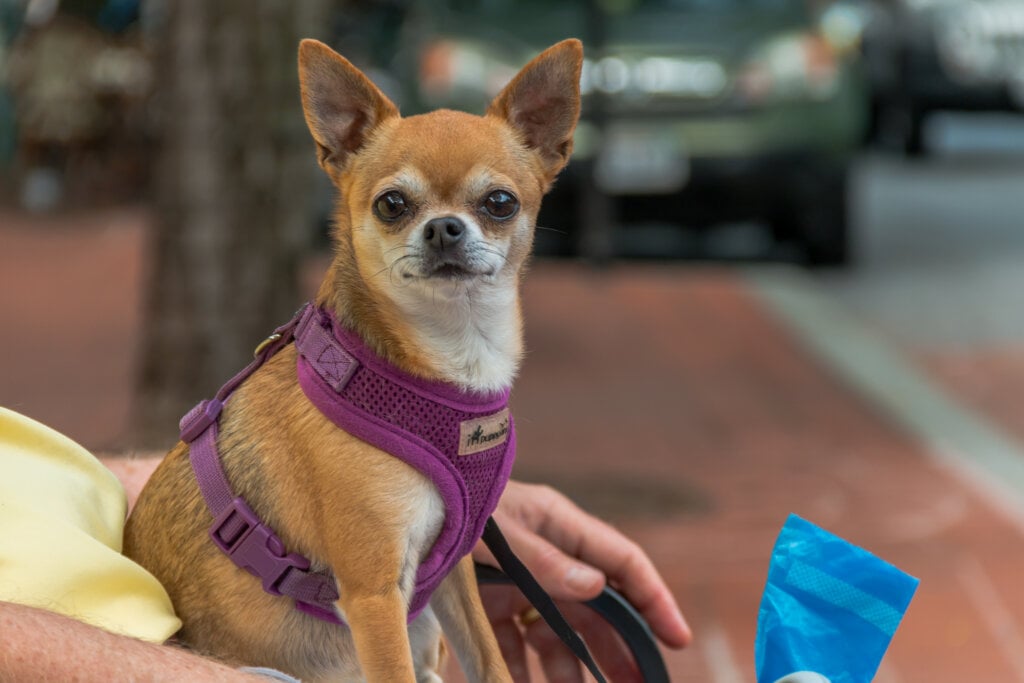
(233,206)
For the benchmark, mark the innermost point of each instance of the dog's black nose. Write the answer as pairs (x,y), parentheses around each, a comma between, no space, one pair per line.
(444,232)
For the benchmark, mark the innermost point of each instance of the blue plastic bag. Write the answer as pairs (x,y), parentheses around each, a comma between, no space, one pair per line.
(828,607)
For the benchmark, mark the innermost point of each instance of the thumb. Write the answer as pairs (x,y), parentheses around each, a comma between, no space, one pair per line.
(562,576)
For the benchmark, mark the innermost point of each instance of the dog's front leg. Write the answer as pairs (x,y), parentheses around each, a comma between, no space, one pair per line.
(456,602)
(376,616)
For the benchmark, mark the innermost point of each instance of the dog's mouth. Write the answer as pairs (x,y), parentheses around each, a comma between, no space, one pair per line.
(460,265)
(448,272)
(452,271)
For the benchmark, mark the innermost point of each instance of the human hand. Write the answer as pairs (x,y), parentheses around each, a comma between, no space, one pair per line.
(572,554)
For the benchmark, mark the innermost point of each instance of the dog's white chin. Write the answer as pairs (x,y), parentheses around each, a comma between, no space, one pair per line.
(470,328)
(440,287)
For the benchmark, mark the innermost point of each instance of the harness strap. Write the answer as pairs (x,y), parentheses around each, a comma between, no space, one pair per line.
(538,597)
(237,530)
(253,546)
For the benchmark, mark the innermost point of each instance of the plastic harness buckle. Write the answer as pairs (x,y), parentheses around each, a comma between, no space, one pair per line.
(253,546)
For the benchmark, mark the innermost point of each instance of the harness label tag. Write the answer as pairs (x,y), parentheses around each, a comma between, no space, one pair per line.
(483,433)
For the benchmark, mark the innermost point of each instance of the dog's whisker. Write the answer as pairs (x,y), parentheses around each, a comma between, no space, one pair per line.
(489,249)
(383,270)
(560,232)
(390,268)
(396,248)
(395,266)
(493,250)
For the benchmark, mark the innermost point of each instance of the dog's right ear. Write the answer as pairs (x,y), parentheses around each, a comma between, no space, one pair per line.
(543,103)
(341,105)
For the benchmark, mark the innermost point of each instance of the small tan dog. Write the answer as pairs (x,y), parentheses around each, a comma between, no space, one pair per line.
(434,223)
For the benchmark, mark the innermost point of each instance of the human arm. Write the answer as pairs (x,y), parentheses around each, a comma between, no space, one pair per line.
(45,646)
(573,554)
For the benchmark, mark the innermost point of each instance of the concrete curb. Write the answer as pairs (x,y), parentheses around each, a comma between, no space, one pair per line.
(975,450)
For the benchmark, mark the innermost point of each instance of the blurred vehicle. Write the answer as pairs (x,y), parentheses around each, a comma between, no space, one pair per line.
(696,112)
(924,56)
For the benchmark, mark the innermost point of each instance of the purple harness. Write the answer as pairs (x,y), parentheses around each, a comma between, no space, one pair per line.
(463,442)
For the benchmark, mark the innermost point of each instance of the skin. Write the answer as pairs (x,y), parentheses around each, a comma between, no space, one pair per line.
(44,646)
(572,554)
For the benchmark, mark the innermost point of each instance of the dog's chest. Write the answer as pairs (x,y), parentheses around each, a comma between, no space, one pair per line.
(424,508)
(473,342)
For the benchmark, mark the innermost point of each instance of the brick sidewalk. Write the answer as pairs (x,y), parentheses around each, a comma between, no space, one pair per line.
(677,378)
(665,398)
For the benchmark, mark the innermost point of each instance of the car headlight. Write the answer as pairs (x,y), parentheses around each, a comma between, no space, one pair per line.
(640,77)
(792,66)
(843,25)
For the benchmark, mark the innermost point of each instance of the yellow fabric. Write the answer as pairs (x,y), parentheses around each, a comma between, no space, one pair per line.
(61,520)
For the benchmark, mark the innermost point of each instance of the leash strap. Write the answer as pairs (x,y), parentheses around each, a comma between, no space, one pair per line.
(538,597)
(611,606)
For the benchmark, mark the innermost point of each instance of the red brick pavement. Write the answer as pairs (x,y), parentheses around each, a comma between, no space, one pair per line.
(665,398)
(678,376)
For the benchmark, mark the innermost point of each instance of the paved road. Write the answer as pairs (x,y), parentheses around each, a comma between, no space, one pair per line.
(940,249)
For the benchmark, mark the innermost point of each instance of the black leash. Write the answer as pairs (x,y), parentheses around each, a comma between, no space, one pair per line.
(538,597)
(613,607)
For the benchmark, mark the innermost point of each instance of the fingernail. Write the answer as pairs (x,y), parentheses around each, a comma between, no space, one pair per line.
(583,579)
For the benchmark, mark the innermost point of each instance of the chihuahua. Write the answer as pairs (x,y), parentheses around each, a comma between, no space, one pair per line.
(434,222)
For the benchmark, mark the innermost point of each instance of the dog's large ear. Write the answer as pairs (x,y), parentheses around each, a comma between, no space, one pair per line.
(543,103)
(341,105)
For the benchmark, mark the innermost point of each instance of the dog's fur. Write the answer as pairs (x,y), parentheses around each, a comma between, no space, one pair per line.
(452,316)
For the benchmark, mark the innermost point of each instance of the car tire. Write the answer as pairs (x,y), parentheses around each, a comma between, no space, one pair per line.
(824,219)
(816,216)
(913,143)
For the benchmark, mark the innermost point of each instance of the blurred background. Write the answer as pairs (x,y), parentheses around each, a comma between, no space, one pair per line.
(781,273)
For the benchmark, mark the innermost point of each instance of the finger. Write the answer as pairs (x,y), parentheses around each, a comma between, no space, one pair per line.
(513,649)
(611,653)
(502,601)
(559,663)
(561,575)
(625,563)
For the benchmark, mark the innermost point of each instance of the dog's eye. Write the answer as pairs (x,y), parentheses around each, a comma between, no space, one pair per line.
(501,204)
(390,206)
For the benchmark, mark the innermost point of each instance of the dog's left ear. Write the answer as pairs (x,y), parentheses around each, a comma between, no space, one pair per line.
(543,103)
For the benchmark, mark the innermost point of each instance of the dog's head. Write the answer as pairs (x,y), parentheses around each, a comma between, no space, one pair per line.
(446,201)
